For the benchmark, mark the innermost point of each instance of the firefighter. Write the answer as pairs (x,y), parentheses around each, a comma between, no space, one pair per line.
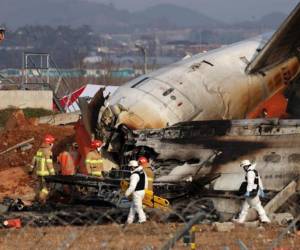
(253,189)
(43,165)
(68,161)
(143,161)
(93,161)
(137,186)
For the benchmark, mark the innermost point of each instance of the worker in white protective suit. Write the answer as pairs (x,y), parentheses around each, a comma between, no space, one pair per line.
(137,186)
(253,189)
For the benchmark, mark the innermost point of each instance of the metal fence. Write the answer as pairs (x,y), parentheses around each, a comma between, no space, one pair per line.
(61,226)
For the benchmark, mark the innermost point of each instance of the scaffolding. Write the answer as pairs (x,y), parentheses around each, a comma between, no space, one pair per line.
(36,75)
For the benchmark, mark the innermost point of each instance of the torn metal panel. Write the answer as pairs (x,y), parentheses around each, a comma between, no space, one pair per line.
(284,43)
(281,197)
(94,107)
(273,144)
(86,115)
(17,146)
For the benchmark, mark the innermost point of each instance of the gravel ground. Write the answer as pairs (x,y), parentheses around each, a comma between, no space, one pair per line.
(150,235)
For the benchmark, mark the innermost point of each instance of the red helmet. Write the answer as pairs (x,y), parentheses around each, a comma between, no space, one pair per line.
(96,144)
(142,160)
(49,139)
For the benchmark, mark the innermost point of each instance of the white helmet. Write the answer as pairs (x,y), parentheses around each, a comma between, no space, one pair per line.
(245,164)
(133,164)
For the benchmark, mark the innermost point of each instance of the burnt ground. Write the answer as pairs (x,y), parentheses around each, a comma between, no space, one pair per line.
(15,182)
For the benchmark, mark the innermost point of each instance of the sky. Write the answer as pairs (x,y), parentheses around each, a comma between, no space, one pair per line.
(225,10)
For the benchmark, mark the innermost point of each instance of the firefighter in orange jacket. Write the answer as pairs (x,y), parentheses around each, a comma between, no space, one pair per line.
(69,160)
(143,161)
(93,161)
(43,165)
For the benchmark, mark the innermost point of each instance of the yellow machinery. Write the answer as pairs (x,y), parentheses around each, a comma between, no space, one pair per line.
(150,200)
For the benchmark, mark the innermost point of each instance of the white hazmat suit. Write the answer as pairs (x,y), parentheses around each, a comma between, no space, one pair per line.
(137,195)
(252,201)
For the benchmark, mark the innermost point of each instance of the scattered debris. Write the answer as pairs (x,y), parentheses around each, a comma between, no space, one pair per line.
(60,119)
(276,242)
(12,223)
(223,227)
(281,197)
(3,208)
(26,147)
(282,219)
(23,143)
(251,224)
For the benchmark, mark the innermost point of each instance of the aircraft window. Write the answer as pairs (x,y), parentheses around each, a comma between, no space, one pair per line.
(139,82)
(294,158)
(273,157)
(168,91)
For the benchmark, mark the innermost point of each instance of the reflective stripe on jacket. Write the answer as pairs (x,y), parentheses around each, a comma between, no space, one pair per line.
(42,163)
(150,176)
(67,165)
(94,163)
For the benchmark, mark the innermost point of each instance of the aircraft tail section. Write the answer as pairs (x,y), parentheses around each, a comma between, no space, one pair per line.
(284,44)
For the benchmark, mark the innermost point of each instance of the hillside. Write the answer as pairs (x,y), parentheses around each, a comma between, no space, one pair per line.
(270,21)
(101,17)
(178,16)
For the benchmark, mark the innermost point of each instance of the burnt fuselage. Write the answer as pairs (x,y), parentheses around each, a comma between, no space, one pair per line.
(273,144)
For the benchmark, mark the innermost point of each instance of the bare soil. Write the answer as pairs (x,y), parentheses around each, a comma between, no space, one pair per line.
(150,235)
(14,178)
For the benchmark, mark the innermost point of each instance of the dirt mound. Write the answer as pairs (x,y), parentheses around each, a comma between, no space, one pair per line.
(11,137)
(18,120)
(16,183)
(14,179)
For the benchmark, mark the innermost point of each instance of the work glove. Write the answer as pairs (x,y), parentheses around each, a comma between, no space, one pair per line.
(262,193)
(247,194)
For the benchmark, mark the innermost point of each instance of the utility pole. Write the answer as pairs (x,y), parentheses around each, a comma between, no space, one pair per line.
(144,52)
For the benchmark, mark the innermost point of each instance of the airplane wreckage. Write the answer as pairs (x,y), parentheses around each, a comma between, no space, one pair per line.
(192,119)
(189,118)
(182,117)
